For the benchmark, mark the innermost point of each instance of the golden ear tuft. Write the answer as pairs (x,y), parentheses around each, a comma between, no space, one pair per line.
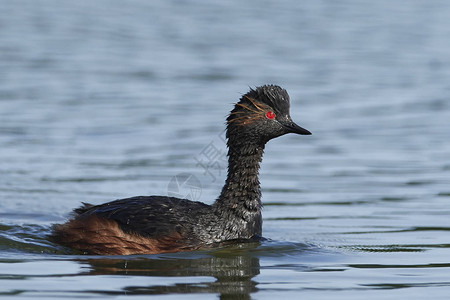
(256,110)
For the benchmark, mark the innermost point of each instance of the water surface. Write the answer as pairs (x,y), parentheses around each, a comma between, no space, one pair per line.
(102,100)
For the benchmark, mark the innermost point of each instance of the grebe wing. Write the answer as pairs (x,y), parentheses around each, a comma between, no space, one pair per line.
(149,216)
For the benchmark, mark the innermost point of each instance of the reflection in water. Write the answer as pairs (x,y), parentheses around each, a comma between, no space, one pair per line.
(233,270)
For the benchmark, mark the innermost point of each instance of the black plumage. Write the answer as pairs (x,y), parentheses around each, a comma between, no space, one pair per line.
(152,224)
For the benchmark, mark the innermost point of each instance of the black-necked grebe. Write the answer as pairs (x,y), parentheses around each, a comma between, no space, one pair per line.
(156,224)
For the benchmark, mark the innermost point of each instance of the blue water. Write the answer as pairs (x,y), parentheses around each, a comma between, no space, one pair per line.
(103,100)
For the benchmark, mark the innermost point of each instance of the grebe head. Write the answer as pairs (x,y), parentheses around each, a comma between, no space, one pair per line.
(261,115)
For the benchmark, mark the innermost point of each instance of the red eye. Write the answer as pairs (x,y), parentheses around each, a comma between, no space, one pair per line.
(270,115)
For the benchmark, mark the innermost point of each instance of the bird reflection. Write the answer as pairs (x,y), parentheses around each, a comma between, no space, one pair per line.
(232,267)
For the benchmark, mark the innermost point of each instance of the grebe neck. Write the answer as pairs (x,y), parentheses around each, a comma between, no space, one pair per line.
(241,194)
